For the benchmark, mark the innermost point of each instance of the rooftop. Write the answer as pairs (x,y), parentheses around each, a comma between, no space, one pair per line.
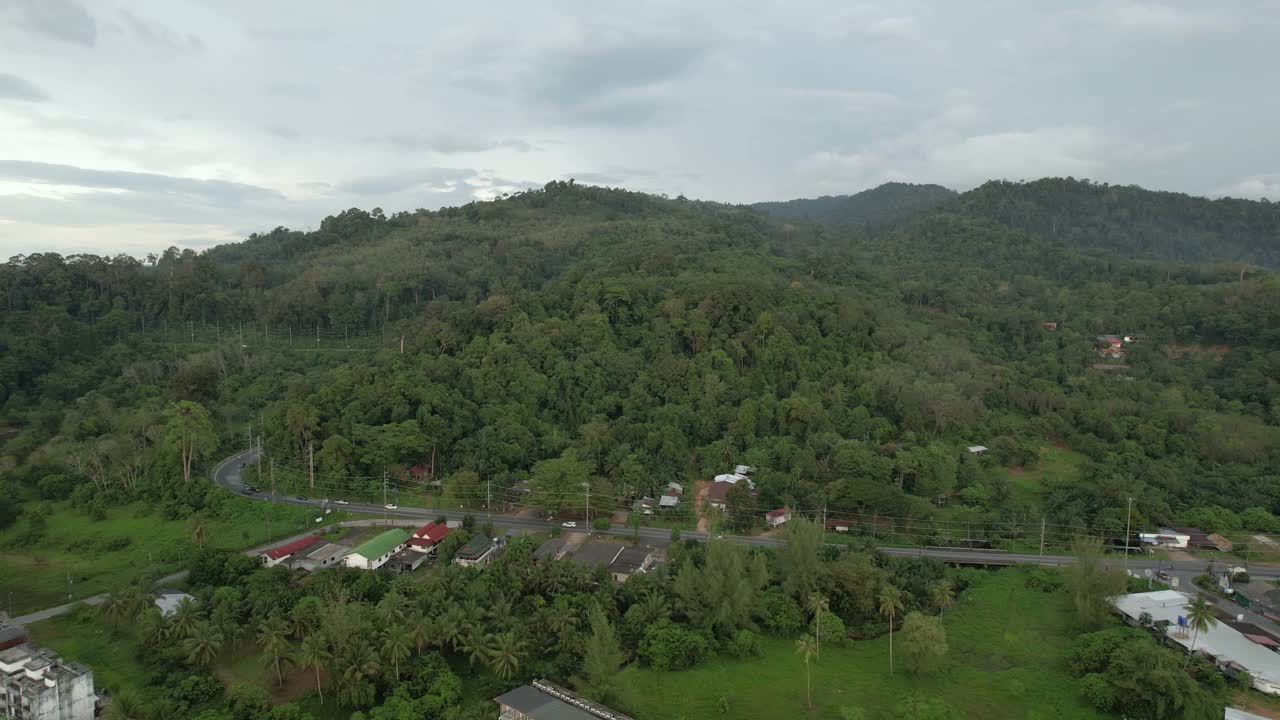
(549,549)
(168,601)
(433,531)
(631,559)
(326,552)
(1221,641)
(381,544)
(596,553)
(547,701)
(290,548)
(478,545)
(780,512)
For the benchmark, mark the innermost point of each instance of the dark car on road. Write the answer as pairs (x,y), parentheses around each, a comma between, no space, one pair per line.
(300,497)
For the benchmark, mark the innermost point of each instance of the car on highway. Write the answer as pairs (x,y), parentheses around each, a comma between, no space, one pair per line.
(246,491)
(1162,575)
(392,506)
(241,465)
(300,497)
(341,502)
(569,524)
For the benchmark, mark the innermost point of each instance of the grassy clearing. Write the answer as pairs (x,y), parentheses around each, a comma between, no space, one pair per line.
(100,556)
(1007,660)
(82,638)
(1056,463)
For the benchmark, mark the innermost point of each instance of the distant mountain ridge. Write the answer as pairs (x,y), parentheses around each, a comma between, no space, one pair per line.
(880,207)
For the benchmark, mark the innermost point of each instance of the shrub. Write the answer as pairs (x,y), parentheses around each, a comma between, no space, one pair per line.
(831,629)
(601,523)
(667,646)
(1044,580)
(744,644)
(782,615)
(1256,518)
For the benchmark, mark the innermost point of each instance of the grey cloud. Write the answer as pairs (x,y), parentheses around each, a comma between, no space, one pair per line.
(447,144)
(64,20)
(1154,18)
(13,87)
(160,36)
(283,132)
(220,192)
(399,182)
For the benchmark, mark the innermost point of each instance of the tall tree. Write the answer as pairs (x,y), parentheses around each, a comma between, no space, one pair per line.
(314,653)
(942,595)
(505,652)
(273,641)
(807,649)
(890,603)
(1200,618)
(202,644)
(817,604)
(1091,583)
(800,558)
(190,432)
(396,647)
(924,641)
(603,660)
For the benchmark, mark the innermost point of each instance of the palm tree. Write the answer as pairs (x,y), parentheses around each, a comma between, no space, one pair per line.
(1200,618)
(115,608)
(152,628)
(817,605)
(358,663)
(396,647)
(273,639)
(198,527)
(203,643)
(807,648)
(125,705)
(185,616)
(392,608)
(890,606)
(451,624)
(653,607)
(504,654)
(421,631)
(314,654)
(475,645)
(942,595)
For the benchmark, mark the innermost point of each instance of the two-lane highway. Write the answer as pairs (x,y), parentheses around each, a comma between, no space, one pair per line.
(228,474)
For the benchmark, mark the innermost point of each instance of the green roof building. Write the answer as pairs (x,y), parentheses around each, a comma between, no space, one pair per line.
(374,553)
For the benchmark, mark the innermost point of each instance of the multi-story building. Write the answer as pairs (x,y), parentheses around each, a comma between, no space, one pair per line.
(35,684)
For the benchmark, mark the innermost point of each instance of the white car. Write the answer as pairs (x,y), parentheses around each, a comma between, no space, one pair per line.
(570,524)
(392,506)
(341,502)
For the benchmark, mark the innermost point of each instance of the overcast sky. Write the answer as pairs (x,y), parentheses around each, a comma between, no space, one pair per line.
(130,126)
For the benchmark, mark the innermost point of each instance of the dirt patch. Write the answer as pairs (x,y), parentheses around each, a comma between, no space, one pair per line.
(1058,443)
(700,490)
(1016,470)
(1249,703)
(1180,555)
(1177,351)
(529,512)
(298,683)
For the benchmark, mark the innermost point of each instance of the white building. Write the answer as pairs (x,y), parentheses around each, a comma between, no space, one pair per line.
(375,553)
(1224,644)
(976,449)
(168,600)
(35,684)
(1164,538)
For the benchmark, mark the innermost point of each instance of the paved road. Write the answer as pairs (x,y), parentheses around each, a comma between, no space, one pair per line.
(94,600)
(227,474)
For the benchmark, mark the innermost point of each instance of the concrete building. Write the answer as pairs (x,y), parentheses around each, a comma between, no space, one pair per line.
(543,700)
(1164,537)
(282,553)
(1229,649)
(593,553)
(375,553)
(774,518)
(478,551)
(35,684)
(632,560)
(327,555)
(426,538)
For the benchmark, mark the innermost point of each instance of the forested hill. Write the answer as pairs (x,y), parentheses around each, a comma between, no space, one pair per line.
(879,207)
(573,334)
(1131,221)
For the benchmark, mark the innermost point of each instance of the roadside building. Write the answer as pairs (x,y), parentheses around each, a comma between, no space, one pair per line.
(426,538)
(976,449)
(544,700)
(1164,537)
(774,518)
(406,561)
(668,501)
(718,494)
(326,555)
(549,551)
(36,684)
(1227,647)
(644,505)
(282,553)
(593,553)
(632,560)
(373,554)
(1202,540)
(12,634)
(478,551)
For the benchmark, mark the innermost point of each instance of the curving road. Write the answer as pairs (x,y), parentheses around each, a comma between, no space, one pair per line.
(227,474)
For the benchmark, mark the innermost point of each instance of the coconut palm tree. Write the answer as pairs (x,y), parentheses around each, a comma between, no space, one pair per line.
(313,653)
(125,705)
(505,651)
(115,608)
(942,595)
(816,605)
(356,664)
(451,627)
(202,644)
(273,640)
(474,645)
(185,616)
(392,609)
(152,628)
(807,649)
(653,607)
(890,606)
(1200,618)
(395,647)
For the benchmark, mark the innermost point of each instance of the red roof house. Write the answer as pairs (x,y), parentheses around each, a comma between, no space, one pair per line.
(276,555)
(428,536)
(774,518)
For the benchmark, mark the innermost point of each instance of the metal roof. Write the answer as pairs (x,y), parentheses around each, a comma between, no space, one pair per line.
(545,701)
(382,544)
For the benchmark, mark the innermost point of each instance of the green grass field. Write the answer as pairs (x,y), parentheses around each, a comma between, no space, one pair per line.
(1055,463)
(83,549)
(1006,660)
(90,641)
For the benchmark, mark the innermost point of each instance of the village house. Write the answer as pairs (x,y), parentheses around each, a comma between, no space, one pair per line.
(593,553)
(426,538)
(375,553)
(976,449)
(644,505)
(326,555)
(774,518)
(282,553)
(549,551)
(11,634)
(478,551)
(167,601)
(631,560)
(1110,346)
(406,561)
(543,700)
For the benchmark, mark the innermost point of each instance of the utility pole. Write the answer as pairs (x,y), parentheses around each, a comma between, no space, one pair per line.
(1041,539)
(311,462)
(487,502)
(385,521)
(69,594)
(1128,518)
(824,518)
(317,335)
(290,334)
(271,506)
(588,513)
(257,461)
(401,344)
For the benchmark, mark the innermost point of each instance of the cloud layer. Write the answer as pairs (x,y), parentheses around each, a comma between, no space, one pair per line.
(128,125)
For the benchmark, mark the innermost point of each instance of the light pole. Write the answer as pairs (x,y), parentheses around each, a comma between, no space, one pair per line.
(1127,520)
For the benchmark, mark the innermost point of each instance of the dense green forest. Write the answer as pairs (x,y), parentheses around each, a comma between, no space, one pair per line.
(871,210)
(576,333)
